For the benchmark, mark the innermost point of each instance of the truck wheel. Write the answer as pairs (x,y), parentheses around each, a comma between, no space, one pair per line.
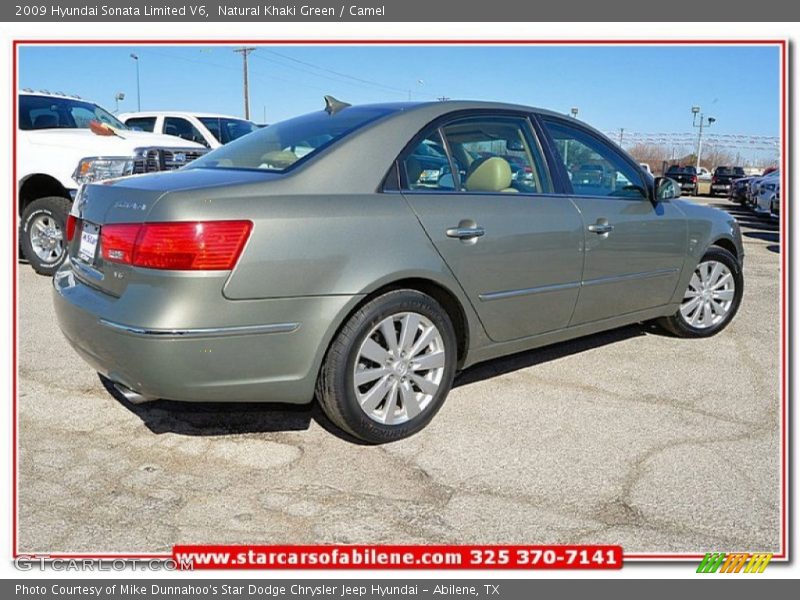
(43,233)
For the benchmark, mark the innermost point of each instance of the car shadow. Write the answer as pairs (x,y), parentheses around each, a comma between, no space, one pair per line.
(226,418)
(767,236)
(538,356)
(231,418)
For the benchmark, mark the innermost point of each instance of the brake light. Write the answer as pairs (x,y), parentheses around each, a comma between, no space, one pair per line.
(694,178)
(117,242)
(71,222)
(714,179)
(191,246)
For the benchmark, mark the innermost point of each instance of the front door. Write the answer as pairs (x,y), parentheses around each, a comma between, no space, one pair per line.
(634,248)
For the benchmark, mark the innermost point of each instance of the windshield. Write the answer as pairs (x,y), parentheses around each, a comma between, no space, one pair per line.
(226,130)
(278,147)
(53,112)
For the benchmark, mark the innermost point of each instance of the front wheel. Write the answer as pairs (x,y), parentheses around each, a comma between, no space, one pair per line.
(390,368)
(712,297)
(43,233)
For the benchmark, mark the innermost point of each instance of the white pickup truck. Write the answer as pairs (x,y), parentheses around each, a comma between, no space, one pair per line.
(63,142)
(210,129)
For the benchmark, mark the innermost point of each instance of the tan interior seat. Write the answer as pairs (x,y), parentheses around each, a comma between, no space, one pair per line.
(489,174)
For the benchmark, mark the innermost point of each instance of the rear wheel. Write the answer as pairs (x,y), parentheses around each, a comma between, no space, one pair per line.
(390,368)
(43,233)
(712,297)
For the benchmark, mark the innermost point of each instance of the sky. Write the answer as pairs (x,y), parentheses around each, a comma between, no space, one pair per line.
(638,88)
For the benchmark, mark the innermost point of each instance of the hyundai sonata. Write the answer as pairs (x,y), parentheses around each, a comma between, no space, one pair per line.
(321,257)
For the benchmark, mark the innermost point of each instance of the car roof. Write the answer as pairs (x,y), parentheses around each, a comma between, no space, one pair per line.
(167,113)
(48,94)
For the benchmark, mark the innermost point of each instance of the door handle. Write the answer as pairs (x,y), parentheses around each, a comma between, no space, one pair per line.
(466,233)
(601,228)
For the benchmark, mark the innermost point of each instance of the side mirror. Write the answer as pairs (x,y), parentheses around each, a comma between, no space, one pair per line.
(666,189)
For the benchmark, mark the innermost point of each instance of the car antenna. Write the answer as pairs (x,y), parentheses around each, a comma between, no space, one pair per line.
(332,105)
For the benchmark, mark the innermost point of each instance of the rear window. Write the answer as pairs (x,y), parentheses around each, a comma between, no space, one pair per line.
(675,169)
(281,146)
(739,171)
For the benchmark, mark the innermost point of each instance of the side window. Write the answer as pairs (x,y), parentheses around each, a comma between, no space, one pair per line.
(183,129)
(427,166)
(497,154)
(594,167)
(142,123)
(486,154)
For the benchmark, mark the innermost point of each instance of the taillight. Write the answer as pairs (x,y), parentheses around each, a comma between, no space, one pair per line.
(713,180)
(191,246)
(117,242)
(694,178)
(71,222)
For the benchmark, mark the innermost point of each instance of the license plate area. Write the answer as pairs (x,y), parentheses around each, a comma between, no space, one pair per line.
(90,236)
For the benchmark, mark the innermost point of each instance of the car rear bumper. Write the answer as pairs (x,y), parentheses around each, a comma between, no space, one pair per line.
(273,359)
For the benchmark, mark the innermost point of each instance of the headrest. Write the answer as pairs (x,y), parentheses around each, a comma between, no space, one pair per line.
(489,174)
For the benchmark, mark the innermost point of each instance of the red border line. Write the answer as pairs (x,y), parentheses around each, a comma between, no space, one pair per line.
(783,242)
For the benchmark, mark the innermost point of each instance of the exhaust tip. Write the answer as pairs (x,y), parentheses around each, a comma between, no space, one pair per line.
(131,396)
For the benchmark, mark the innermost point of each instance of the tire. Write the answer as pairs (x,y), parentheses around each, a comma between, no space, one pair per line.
(51,214)
(389,377)
(683,324)
(695,191)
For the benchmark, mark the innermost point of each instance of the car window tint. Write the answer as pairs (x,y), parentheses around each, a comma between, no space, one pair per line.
(594,168)
(427,166)
(497,154)
(183,129)
(142,123)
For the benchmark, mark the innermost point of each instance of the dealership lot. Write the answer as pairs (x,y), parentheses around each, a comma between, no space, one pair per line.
(631,437)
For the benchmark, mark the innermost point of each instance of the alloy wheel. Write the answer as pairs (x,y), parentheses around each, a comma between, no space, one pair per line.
(709,297)
(47,238)
(399,368)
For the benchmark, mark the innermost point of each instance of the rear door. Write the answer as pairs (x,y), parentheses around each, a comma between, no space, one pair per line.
(634,248)
(481,188)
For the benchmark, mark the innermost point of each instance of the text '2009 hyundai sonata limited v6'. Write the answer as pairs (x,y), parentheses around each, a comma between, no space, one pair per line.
(364,254)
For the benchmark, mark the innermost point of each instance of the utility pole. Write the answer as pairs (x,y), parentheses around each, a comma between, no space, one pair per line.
(244,52)
(702,118)
(621,132)
(138,91)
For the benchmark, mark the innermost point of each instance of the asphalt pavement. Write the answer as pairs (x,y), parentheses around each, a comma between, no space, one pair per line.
(629,437)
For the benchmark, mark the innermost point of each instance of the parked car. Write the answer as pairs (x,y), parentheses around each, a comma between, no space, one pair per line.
(754,186)
(722,178)
(703,174)
(767,191)
(685,176)
(211,130)
(738,190)
(257,274)
(64,141)
(775,205)
(646,168)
